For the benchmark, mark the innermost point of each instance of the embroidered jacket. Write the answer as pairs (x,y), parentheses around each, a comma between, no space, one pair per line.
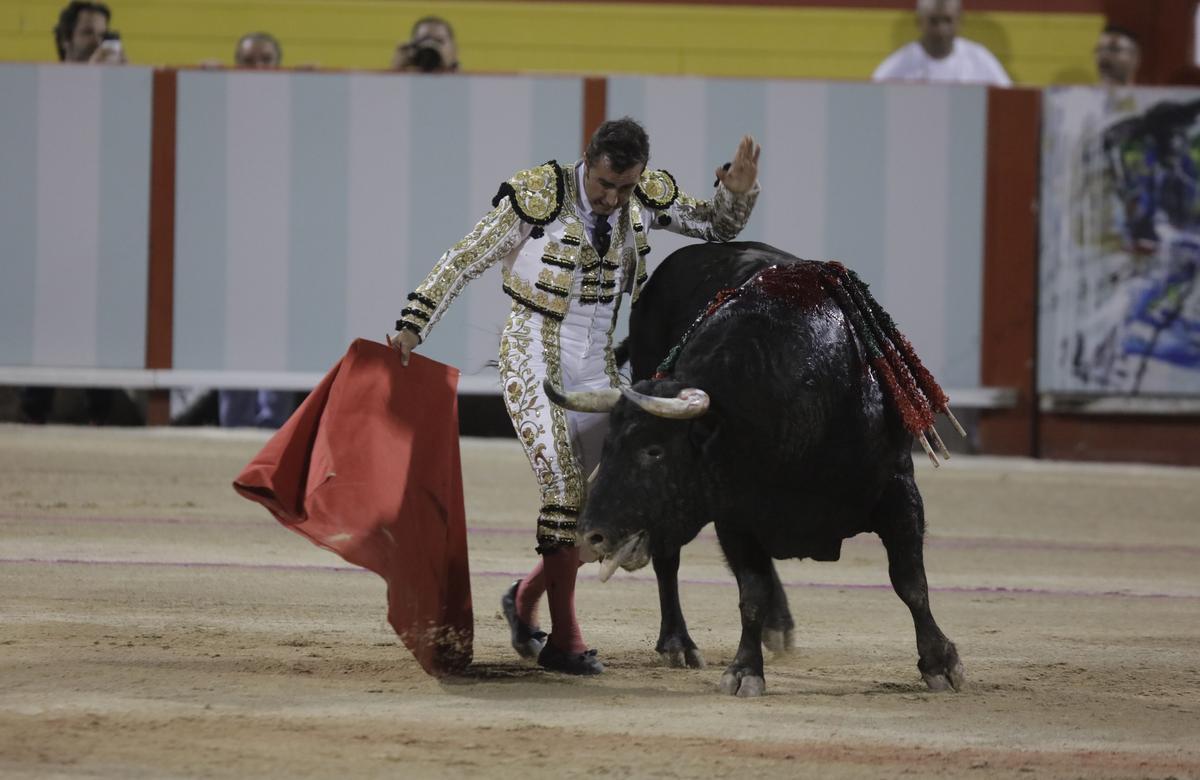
(535,231)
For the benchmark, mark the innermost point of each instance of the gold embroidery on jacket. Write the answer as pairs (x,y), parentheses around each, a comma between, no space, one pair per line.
(657,189)
(496,235)
(535,193)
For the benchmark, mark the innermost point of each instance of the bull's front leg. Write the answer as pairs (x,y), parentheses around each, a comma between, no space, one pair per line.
(675,645)
(752,568)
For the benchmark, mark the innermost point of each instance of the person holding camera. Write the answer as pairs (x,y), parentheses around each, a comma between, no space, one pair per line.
(430,48)
(82,35)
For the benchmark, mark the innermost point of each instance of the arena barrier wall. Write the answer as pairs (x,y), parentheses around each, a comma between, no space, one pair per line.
(287,213)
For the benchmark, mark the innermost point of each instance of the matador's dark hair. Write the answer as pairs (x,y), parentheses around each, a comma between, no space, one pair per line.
(623,141)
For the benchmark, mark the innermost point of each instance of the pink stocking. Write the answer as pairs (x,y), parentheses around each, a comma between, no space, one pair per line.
(529,593)
(561,566)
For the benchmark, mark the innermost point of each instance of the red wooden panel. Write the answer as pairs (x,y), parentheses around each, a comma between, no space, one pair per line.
(160,298)
(1121,438)
(595,106)
(1010,267)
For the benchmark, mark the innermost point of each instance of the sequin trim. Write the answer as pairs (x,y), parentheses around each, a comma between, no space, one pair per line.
(536,194)
(657,189)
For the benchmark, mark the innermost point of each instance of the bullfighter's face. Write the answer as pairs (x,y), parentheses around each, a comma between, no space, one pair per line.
(608,190)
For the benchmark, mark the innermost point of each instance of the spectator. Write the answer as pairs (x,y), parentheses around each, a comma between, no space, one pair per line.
(431,48)
(77,37)
(81,28)
(940,55)
(258,50)
(254,408)
(1117,56)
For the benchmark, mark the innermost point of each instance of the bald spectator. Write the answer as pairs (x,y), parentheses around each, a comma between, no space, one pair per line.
(259,51)
(431,48)
(256,408)
(940,54)
(1117,56)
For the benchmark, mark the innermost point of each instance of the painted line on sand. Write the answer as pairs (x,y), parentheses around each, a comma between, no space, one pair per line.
(640,579)
(947,542)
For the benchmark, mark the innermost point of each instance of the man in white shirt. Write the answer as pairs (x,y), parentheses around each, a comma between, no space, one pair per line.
(1117,56)
(940,55)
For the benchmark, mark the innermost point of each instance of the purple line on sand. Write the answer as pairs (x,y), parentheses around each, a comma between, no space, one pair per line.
(949,542)
(640,579)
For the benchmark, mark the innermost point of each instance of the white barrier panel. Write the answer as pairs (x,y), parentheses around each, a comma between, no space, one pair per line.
(309,206)
(888,179)
(74,195)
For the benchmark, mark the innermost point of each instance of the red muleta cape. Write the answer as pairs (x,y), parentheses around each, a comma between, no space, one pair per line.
(369,468)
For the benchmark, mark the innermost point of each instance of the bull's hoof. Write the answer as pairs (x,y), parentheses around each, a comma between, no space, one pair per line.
(941,668)
(742,683)
(779,640)
(955,678)
(679,653)
(679,659)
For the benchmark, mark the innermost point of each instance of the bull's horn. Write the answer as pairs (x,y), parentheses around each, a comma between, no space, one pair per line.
(691,402)
(583,400)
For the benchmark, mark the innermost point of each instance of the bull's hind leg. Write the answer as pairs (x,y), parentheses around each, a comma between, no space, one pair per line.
(901,524)
(675,645)
(752,567)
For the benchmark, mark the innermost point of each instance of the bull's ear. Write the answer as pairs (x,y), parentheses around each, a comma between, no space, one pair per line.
(703,432)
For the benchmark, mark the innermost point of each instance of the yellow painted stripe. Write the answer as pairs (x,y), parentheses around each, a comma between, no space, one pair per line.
(757,41)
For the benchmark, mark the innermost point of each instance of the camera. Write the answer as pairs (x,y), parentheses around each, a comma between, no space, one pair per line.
(425,54)
(110,44)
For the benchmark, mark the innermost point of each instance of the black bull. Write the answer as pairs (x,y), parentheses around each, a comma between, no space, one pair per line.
(794,444)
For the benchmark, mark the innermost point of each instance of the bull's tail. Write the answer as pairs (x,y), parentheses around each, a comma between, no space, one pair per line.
(621,353)
(917,395)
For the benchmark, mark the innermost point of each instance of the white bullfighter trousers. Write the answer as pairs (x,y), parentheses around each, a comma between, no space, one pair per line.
(563,447)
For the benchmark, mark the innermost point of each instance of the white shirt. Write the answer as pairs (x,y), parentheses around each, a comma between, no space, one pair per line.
(967,63)
(585,208)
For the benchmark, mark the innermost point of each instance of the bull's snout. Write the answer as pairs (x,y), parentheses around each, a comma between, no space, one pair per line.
(631,552)
(593,544)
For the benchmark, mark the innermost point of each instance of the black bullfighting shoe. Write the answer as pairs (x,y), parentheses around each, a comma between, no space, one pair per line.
(527,640)
(569,663)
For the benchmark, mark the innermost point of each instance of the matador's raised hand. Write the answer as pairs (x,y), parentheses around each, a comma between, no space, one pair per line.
(742,172)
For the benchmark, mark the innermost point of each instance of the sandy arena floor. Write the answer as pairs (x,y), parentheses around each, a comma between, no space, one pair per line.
(157,625)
